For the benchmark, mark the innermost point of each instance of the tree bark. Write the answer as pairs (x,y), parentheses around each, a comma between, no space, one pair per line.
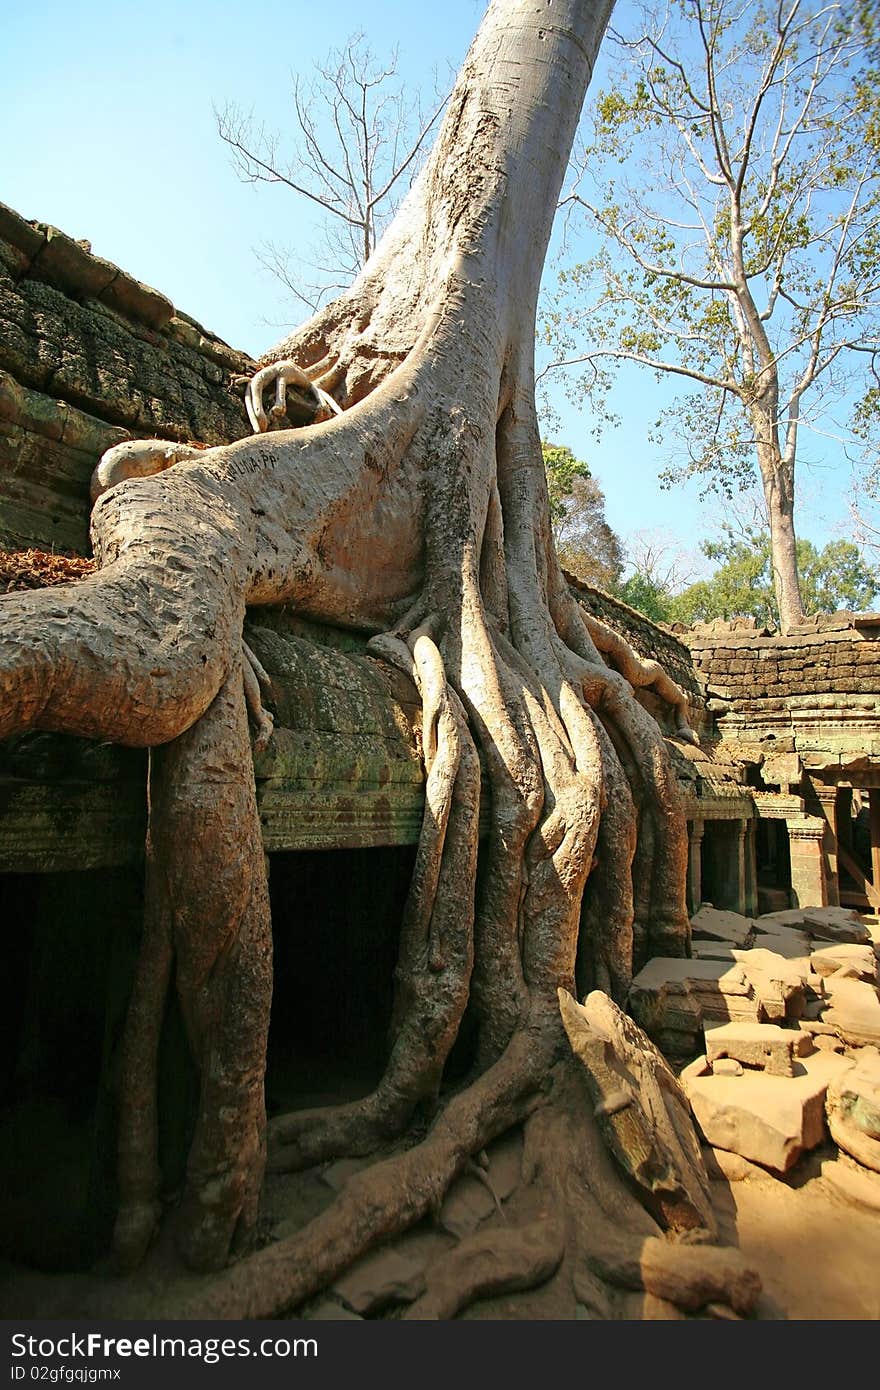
(419,515)
(777,479)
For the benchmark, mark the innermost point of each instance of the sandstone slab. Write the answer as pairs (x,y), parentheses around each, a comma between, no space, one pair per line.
(380,1279)
(836,924)
(642,1111)
(763,1045)
(849,956)
(858,1186)
(853,1011)
(671,999)
(784,940)
(853,1109)
(769,1120)
(466,1205)
(712,924)
(778,983)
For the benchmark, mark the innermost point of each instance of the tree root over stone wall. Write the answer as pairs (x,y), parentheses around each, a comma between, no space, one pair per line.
(419,515)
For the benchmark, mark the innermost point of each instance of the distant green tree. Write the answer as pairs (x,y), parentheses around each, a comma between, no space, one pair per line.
(585,543)
(836,576)
(648,596)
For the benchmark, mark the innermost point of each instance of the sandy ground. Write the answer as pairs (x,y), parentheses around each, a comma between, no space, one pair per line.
(818,1255)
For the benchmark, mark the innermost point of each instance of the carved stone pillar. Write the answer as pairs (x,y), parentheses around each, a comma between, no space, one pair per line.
(750,828)
(874,811)
(695,865)
(825,800)
(805,837)
(737,889)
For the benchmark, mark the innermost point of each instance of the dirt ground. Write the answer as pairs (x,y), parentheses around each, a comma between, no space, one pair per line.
(817,1254)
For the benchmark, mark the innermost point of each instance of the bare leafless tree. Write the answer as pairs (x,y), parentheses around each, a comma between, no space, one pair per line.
(358,140)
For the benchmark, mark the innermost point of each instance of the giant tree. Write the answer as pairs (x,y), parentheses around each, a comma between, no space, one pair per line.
(733,177)
(417,514)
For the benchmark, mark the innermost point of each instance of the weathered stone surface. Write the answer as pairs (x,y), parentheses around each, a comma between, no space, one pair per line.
(726,1066)
(337,1174)
(642,1111)
(671,999)
(856,1185)
(504,1169)
(836,924)
(779,984)
(712,950)
(466,1205)
(828,960)
(342,771)
(714,925)
(770,1120)
(81,342)
(782,941)
(762,1045)
(853,1011)
(853,1109)
(380,1279)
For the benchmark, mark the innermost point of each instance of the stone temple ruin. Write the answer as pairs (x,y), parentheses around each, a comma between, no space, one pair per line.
(776,1014)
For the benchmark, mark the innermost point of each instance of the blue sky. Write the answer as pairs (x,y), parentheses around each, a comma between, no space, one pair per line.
(109,133)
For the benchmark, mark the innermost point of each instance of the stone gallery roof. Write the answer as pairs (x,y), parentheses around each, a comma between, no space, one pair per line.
(814,694)
(89,357)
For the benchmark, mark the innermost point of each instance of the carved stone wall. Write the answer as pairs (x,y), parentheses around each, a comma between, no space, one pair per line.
(812,697)
(90,357)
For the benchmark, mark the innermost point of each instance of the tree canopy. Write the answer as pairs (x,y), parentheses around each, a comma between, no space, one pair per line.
(586,545)
(833,577)
(732,176)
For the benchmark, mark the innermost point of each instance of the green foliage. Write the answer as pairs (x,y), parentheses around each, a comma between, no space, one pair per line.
(649,597)
(732,176)
(585,543)
(836,576)
(562,470)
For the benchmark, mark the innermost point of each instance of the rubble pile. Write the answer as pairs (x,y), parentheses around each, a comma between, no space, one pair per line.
(783,1014)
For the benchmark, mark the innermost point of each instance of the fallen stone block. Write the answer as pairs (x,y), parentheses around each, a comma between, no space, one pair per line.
(339,1172)
(712,924)
(784,941)
(836,924)
(779,984)
(726,1066)
(466,1205)
(762,1045)
(671,998)
(853,1109)
(505,1165)
(853,1011)
(712,950)
(769,1120)
(828,960)
(788,917)
(642,1111)
(858,1186)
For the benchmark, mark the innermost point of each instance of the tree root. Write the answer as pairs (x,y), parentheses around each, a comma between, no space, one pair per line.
(431,354)
(691,1277)
(491,1262)
(641,673)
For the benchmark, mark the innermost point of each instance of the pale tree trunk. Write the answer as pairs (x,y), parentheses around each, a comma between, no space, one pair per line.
(419,515)
(777,479)
(762,403)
